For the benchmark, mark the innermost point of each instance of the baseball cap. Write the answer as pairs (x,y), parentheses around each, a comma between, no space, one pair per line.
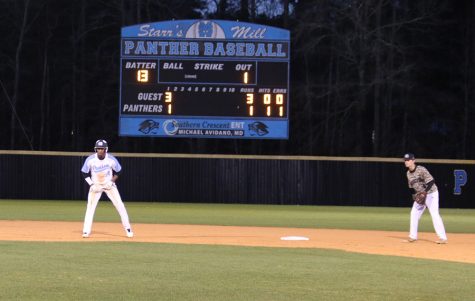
(409,156)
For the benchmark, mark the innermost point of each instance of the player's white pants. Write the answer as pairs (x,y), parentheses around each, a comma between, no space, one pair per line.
(432,203)
(92,201)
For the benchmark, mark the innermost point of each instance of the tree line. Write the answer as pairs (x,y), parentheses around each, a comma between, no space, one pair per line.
(368,77)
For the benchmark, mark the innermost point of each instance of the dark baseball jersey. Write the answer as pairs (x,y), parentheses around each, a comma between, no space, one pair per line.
(418,179)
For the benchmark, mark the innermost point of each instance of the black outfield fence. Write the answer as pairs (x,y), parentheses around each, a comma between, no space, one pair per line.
(237,179)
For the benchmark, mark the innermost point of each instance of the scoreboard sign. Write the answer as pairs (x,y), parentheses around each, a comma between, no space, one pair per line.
(204,79)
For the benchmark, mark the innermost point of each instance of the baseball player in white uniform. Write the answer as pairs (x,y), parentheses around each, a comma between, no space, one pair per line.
(101,170)
(419,179)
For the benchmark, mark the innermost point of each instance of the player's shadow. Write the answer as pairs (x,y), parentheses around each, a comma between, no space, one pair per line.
(105,234)
(404,239)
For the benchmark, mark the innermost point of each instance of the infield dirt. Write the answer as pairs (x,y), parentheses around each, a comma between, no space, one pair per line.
(461,247)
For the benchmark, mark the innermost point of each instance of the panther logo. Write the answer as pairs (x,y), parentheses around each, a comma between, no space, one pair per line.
(258,128)
(148,125)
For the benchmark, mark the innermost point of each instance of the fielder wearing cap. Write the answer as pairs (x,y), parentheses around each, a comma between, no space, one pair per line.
(420,180)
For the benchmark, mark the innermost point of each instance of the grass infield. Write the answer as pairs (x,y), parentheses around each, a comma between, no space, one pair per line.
(143,271)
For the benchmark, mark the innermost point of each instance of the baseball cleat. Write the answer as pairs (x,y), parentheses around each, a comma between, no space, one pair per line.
(441,242)
(129,233)
(85,235)
(410,239)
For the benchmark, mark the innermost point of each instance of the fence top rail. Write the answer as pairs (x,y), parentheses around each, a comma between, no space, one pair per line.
(243,157)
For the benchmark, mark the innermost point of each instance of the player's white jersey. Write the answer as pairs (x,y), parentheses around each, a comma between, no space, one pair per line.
(101,170)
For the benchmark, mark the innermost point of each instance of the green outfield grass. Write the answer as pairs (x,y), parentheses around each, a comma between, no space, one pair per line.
(338,217)
(144,271)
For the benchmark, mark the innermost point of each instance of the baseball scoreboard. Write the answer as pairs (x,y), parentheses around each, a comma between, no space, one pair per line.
(204,79)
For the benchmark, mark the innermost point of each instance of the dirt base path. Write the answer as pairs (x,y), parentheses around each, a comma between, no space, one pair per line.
(461,247)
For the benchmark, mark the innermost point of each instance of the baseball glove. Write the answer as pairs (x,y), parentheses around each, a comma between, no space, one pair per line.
(420,197)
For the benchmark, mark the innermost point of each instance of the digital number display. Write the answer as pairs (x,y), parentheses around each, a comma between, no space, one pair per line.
(204,79)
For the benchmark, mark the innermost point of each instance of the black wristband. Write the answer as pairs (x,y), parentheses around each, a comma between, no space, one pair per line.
(429,185)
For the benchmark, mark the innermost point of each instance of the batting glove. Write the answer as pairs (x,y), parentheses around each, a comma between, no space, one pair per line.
(95,188)
(108,185)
